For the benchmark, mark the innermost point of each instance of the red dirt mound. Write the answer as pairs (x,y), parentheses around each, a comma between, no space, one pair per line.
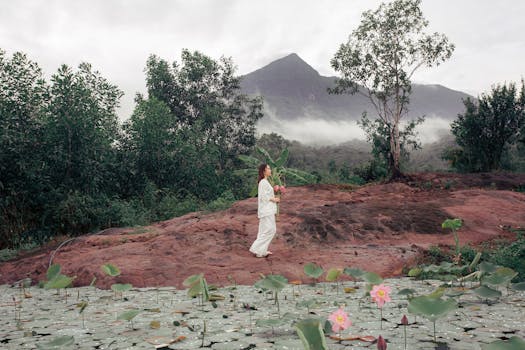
(380,228)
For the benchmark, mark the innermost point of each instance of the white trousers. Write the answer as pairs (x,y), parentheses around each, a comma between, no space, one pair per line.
(265,235)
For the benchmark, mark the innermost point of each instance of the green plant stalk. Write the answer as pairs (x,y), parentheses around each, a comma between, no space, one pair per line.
(456,239)
(435,341)
(203,333)
(405,331)
(381,318)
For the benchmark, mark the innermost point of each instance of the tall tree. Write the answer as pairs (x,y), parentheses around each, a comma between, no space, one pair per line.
(23,100)
(208,125)
(380,58)
(81,128)
(487,128)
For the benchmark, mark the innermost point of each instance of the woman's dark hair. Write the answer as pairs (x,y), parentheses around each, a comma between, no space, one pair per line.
(262,168)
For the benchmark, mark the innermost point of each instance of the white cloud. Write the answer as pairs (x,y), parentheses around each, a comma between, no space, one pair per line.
(116,36)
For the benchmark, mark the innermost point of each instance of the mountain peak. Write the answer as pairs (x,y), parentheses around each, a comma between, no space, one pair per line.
(289,66)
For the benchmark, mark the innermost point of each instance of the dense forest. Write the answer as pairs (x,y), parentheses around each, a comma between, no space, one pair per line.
(68,166)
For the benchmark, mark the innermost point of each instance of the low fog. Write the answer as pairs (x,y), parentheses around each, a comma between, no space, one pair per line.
(320,132)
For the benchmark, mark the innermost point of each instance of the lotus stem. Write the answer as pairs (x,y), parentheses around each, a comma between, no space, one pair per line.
(435,341)
(405,329)
(381,318)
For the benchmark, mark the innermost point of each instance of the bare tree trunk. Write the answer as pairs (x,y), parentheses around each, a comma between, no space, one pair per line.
(395,150)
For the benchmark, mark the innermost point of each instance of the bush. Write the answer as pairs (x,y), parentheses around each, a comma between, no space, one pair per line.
(224,201)
(512,256)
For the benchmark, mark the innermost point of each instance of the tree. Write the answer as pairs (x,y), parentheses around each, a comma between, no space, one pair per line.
(380,58)
(379,134)
(23,101)
(487,128)
(188,132)
(81,128)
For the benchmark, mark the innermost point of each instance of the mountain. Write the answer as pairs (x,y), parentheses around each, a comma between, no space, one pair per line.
(293,90)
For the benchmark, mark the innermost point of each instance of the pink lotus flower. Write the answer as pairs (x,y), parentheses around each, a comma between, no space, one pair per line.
(279,189)
(339,320)
(381,294)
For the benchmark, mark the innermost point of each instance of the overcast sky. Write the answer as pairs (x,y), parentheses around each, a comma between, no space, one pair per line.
(117,36)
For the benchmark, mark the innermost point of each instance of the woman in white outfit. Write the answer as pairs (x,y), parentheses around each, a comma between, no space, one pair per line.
(267,208)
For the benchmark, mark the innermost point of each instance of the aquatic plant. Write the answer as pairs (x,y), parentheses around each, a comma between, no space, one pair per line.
(313,270)
(311,334)
(431,307)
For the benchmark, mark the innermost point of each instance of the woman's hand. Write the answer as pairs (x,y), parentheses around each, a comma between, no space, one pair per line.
(276,199)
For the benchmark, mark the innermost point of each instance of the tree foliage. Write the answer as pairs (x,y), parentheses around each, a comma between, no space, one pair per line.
(487,129)
(380,58)
(194,123)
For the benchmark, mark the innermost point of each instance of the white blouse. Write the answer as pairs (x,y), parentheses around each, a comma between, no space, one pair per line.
(266,207)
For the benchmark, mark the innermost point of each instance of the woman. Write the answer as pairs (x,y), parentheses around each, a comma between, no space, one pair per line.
(267,208)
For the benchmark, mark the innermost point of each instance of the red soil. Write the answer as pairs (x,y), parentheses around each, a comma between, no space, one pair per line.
(381,228)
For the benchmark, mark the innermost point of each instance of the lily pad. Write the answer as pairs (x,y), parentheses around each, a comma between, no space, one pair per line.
(53,271)
(120,288)
(57,343)
(333,274)
(128,315)
(60,281)
(372,278)
(502,275)
(431,308)
(313,270)
(311,334)
(513,343)
(518,286)
(487,292)
(110,270)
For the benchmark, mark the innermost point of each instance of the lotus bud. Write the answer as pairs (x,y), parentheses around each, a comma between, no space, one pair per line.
(381,343)
(404,320)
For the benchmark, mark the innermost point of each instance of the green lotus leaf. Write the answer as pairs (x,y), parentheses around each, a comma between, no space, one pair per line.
(502,275)
(487,292)
(518,286)
(128,315)
(453,224)
(487,267)
(311,334)
(60,281)
(406,291)
(414,272)
(372,278)
(110,270)
(53,271)
(190,281)
(438,293)
(431,308)
(313,270)
(432,268)
(57,343)
(356,273)
(333,274)
(274,322)
(310,303)
(275,283)
(454,293)
(120,288)
(513,343)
